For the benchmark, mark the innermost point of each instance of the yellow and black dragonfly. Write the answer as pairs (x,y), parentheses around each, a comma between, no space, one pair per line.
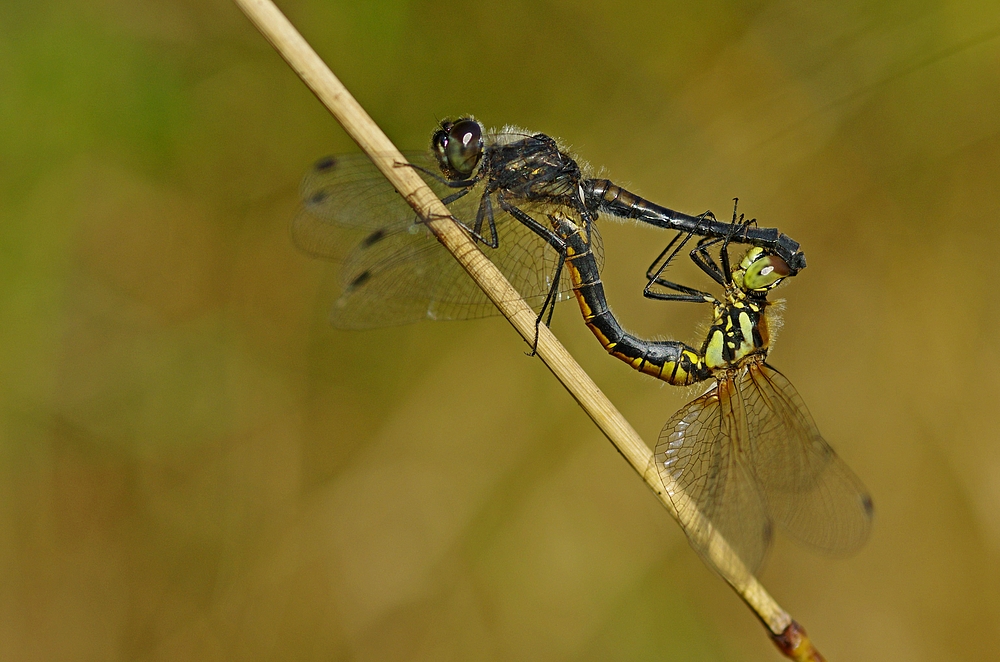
(497,185)
(746,454)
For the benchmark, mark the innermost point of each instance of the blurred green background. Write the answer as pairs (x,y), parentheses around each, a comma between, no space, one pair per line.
(194,466)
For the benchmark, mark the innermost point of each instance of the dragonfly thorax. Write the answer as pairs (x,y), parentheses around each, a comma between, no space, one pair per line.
(739,330)
(533,169)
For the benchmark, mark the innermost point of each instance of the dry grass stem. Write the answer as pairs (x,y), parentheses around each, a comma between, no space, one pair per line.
(318,77)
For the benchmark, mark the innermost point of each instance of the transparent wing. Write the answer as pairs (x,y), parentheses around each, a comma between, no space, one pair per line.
(808,489)
(392,269)
(345,198)
(748,455)
(406,275)
(697,450)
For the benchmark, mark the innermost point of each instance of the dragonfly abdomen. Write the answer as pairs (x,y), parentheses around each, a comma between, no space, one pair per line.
(669,360)
(602,196)
(606,196)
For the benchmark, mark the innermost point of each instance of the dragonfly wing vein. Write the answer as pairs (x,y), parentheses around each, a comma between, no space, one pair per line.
(809,490)
(696,449)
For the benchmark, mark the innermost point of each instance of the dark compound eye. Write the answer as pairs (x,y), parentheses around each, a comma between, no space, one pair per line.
(458,147)
(439,142)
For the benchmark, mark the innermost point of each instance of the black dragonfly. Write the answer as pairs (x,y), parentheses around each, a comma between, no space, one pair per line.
(496,184)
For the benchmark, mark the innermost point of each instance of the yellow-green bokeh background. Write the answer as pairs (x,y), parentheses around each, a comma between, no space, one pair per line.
(194,466)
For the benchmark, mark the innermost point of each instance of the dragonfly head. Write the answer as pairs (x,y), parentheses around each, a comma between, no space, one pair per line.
(759,271)
(458,147)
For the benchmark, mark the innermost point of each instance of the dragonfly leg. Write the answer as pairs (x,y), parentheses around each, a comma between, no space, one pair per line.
(701,257)
(485,213)
(653,271)
(737,227)
(455,196)
(553,240)
(655,277)
(476,236)
(550,237)
(450,183)
(686,293)
(550,301)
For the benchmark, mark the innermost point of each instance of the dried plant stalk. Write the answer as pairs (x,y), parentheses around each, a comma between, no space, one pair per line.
(787,635)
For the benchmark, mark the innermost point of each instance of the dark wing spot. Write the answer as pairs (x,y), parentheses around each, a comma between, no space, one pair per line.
(359,280)
(866,503)
(373,238)
(318,197)
(325,163)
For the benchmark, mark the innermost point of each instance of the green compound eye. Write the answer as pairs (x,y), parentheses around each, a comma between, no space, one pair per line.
(765,272)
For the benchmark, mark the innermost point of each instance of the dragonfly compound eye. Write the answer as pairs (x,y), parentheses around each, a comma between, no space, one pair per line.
(463,146)
(765,272)
(439,143)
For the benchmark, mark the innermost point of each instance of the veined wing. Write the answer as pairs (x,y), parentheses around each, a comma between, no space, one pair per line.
(748,456)
(808,489)
(406,276)
(698,450)
(392,269)
(345,198)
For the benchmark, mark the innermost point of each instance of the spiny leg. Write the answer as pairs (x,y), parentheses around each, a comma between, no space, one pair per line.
(485,213)
(562,250)
(737,226)
(552,240)
(701,256)
(704,260)
(654,277)
(451,183)
(550,301)
(466,185)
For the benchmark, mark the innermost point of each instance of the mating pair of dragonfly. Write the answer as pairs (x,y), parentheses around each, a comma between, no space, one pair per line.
(746,454)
